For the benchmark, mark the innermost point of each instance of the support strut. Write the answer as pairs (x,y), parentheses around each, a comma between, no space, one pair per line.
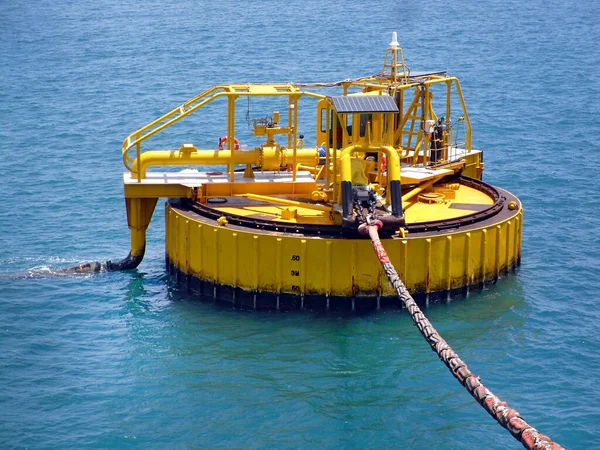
(139,213)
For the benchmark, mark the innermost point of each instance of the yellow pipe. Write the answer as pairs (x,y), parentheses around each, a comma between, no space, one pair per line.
(138,152)
(295,138)
(138,241)
(311,169)
(326,145)
(313,95)
(335,145)
(283,201)
(231,131)
(269,157)
(393,160)
(139,213)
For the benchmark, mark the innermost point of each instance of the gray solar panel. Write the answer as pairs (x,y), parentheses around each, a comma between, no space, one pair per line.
(364,104)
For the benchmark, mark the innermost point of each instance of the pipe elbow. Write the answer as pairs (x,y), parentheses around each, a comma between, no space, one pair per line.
(148,159)
(345,163)
(130,262)
(393,163)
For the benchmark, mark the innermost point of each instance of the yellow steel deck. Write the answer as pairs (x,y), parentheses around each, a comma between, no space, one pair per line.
(438,203)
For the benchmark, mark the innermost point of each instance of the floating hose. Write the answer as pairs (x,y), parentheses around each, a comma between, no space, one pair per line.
(509,418)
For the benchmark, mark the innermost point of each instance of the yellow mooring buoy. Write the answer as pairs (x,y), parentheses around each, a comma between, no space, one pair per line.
(272,222)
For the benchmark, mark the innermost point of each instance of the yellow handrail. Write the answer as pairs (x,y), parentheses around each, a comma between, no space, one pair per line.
(166,120)
(135,139)
(449,80)
(234,90)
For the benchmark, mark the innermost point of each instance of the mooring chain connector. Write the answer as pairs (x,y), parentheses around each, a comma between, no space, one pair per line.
(365,197)
(507,417)
(358,209)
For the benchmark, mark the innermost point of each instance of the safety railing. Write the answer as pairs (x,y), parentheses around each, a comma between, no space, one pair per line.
(135,139)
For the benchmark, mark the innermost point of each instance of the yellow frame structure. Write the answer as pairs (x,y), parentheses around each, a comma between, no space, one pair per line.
(385,133)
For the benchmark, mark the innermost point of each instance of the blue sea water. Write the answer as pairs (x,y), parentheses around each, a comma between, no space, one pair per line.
(126,360)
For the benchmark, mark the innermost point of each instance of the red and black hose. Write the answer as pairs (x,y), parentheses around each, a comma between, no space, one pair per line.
(507,417)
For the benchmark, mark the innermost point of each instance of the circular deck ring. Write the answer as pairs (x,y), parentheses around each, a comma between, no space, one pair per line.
(336,230)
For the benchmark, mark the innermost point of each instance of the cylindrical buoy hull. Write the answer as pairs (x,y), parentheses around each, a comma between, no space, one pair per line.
(255,268)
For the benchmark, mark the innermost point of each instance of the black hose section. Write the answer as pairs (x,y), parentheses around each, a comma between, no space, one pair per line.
(396,197)
(90,267)
(347,217)
(128,263)
(499,410)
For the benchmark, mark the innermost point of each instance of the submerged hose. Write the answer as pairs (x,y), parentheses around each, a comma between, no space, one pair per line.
(90,267)
(128,263)
(509,418)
